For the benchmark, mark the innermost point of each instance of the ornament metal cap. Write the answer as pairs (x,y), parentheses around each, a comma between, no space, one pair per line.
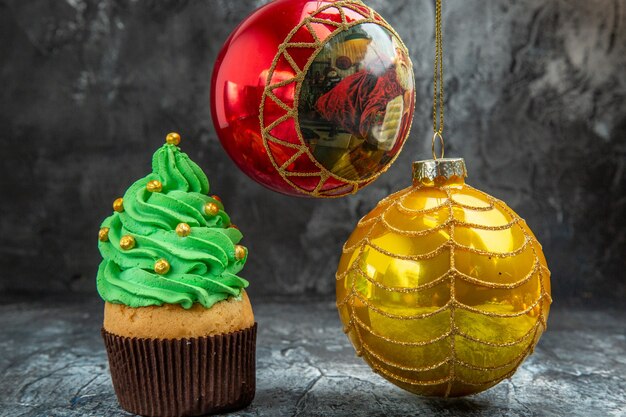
(445,168)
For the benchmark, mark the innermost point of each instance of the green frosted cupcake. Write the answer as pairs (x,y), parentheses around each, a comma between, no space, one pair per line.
(178,325)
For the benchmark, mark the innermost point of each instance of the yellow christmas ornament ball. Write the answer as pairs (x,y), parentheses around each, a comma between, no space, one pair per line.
(443,289)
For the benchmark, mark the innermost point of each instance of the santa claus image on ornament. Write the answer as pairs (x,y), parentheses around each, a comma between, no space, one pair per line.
(355,101)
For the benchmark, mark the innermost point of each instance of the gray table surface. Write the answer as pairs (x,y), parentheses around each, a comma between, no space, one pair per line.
(53,363)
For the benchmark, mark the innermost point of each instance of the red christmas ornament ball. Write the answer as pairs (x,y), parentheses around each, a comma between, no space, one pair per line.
(313,98)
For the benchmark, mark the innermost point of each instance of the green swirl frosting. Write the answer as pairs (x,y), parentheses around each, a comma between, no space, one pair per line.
(203,265)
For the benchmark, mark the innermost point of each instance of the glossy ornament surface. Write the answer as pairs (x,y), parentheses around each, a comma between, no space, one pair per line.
(443,289)
(313,98)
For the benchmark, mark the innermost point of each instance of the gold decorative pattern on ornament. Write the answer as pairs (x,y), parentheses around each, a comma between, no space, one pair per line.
(363,333)
(292,113)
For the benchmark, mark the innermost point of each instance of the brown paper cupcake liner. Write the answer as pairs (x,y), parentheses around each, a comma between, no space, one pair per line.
(183,377)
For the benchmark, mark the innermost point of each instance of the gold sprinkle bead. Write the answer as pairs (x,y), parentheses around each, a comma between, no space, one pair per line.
(127,242)
(154,186)
(233,226)
(173,139)
(183,230)
(216,197)
(211,209)
(118,205)
(162,267)
(240,252)
(103,234)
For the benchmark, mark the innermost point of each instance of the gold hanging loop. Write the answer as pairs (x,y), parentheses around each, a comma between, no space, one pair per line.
(435,136)
(438,95)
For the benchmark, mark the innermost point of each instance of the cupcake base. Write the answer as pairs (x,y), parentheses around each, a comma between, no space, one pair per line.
(183,377)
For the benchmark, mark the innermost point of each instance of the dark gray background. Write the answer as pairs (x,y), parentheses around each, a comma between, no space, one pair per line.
(88,90)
